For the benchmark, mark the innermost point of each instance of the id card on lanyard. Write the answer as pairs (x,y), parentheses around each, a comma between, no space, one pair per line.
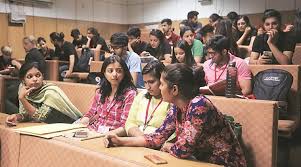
(146,122)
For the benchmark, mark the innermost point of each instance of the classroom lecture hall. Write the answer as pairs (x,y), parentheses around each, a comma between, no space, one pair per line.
(171,83)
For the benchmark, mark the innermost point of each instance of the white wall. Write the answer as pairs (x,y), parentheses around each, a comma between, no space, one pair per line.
(144,11)
(154,11)
(110,11)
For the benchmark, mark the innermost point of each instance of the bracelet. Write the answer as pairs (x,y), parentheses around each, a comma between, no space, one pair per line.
(22,117)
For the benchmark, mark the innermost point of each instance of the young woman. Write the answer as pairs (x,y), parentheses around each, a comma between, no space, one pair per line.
(244,33)
(48,53)
(194,119)
(96,43)
(187,34)
(148,111)
(114,98)
(182,54)
(40,101)
(158,46)
(66,52)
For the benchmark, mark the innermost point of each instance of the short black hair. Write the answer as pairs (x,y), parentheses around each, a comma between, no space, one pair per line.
(75,33)
(41,39)
(233,16)
(134,31)
(168,21)
(119,39)
(218,43)
(206,29)
(27,66)
(271,13)
(191,14)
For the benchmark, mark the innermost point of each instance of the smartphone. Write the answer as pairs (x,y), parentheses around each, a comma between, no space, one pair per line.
(80,134)
(155,159)
(268,54)
(11,67)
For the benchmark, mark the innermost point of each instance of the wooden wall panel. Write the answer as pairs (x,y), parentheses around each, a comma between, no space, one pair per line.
(65,26)
(43,27)
(15,36)
(29,26)
(4,27)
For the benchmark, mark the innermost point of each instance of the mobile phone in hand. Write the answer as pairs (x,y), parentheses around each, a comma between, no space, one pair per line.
(155,159)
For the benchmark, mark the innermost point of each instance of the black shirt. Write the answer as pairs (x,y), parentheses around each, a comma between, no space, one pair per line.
(98,40)
(48,54)
(34,55)
(81,42)
(238,34)
(65,51)
(139,47)
(5,62)
(160,51)
(284,43)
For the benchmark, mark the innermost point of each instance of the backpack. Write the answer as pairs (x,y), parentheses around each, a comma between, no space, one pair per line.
(272,84)
(83,63)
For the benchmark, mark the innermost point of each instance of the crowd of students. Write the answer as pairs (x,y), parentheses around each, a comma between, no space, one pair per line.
(169,114)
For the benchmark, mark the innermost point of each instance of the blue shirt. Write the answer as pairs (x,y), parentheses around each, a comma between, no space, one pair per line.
(133,62)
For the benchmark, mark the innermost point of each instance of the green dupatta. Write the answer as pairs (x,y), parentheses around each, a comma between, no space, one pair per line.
(52,96)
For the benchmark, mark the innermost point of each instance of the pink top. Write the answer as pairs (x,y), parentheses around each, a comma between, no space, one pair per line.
(212,76)
(110,114)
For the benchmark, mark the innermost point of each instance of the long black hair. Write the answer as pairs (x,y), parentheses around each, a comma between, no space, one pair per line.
(162,44)
(125,84)
(189,60)
(27,66)
(154,68)
(95,37)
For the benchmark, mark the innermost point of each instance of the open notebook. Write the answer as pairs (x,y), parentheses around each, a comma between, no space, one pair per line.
(216,89)
(58,129)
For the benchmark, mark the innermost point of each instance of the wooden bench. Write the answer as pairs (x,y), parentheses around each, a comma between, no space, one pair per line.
(297,55)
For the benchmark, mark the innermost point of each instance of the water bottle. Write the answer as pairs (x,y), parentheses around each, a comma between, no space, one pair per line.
(231,80)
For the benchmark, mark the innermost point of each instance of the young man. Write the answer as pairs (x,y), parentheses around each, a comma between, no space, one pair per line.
(170,36)
(207,32)
(192,18)
(216,68)
(78,39)
(119,43)
(135,44)
(278,43)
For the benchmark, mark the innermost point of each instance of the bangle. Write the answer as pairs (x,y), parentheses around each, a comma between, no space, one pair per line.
(22,117)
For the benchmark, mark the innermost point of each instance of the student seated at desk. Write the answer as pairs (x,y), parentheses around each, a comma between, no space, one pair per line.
(66,52)
(216,68)
(280,44)
(7,64)
(201,131)
(148,111)
(47,52)
(113,100)
(40,101)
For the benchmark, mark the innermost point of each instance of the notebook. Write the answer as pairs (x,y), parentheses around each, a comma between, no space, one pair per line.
(216,89)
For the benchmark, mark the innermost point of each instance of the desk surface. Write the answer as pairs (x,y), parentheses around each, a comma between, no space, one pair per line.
(120,155)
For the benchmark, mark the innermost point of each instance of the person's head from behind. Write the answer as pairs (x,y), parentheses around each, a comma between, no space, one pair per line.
(156,38)
(42,43)
(119,42)
(92,32)
(31,75)
(183,23)
(214,19)
(242,23)
(224,27)
(166,25)
(187,34)
(29,42)
(192,16)
(151,76)
(182,54)
(57,39)
(134,34)
(6,52)
(271,20)
(207,32)
(177,82)
(115,73)
(217,48)
(233,16)
(75,33)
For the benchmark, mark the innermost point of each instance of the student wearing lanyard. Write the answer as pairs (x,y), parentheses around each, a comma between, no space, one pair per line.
(148,111)
(202,131)
(216,67)
(113,100)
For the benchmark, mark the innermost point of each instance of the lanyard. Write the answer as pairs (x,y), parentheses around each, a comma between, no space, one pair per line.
(216,79)
(152,115)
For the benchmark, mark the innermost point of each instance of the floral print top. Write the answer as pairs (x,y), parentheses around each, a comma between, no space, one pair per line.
(202,132)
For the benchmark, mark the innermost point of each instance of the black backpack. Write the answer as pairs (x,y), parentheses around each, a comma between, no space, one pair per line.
(84,60)
(272,84)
